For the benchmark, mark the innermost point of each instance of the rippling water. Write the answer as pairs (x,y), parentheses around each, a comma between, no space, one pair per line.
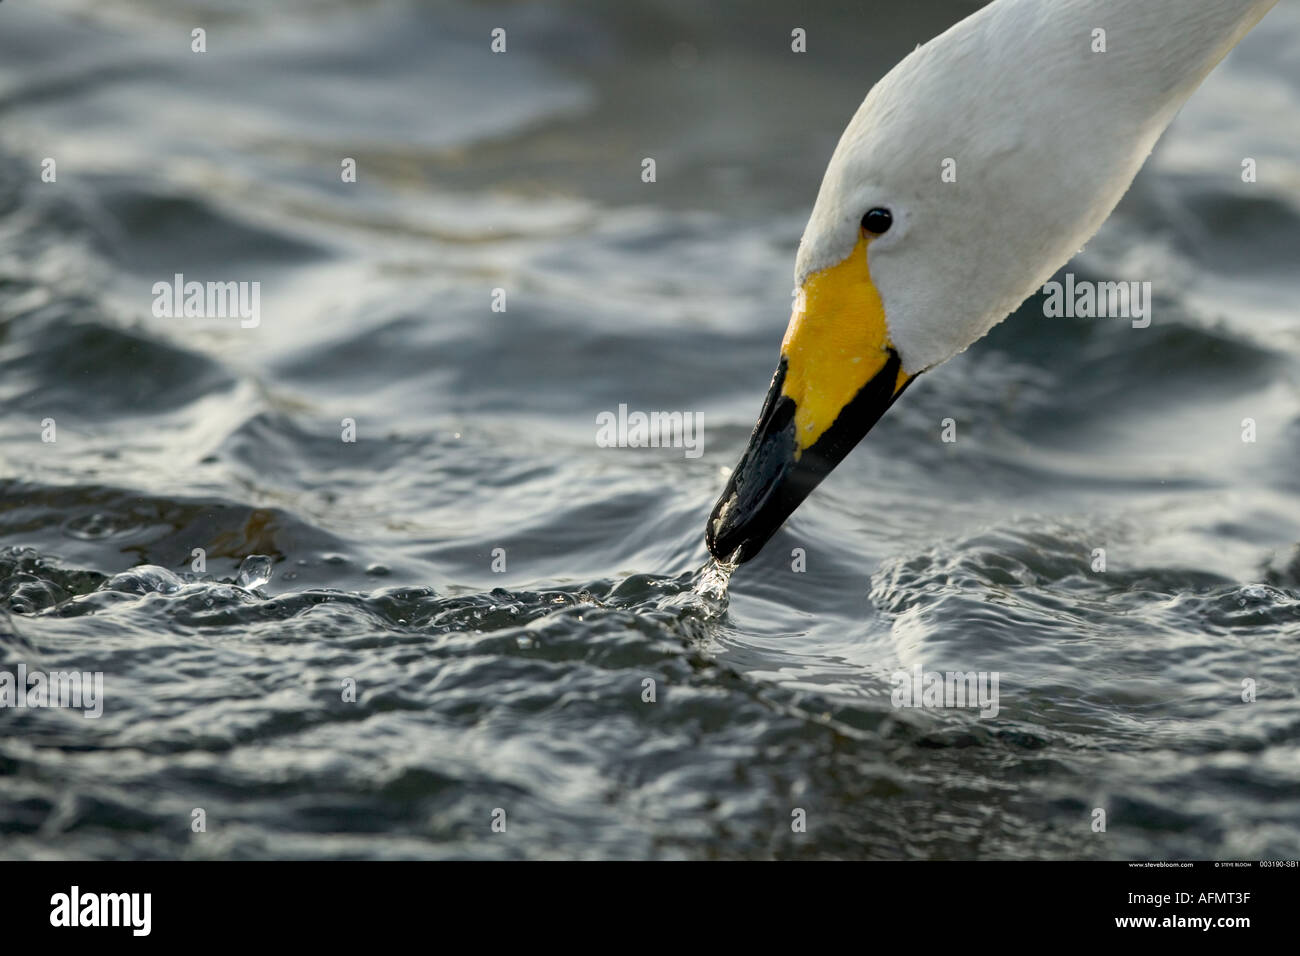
(499,589)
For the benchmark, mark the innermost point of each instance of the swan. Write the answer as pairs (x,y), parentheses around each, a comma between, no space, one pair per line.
(970,174)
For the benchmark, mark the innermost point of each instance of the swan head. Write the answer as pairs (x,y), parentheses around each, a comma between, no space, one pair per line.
(971,172)
(947,202)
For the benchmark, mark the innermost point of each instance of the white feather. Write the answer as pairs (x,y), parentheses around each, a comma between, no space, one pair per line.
(1046,136)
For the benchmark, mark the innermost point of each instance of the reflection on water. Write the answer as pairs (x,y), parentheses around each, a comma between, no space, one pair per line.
(473,604)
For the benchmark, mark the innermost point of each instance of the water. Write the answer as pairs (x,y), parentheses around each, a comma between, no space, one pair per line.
(469,608)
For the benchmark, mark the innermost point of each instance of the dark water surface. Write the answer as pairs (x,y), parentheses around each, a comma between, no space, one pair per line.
(522,689)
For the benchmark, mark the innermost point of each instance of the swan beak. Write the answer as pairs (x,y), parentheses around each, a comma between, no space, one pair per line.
(837,376)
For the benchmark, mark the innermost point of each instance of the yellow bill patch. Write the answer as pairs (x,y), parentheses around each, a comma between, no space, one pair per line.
(836,343)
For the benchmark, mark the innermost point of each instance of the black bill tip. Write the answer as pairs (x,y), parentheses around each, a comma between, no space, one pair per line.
(770,481)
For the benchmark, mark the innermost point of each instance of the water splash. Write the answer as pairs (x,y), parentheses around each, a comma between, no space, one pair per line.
(712,584)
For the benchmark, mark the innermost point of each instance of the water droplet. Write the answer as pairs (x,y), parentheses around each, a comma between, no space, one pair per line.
(92,527)
(254,572)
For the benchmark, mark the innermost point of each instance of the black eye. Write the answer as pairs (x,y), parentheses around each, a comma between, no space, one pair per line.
(877,221)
